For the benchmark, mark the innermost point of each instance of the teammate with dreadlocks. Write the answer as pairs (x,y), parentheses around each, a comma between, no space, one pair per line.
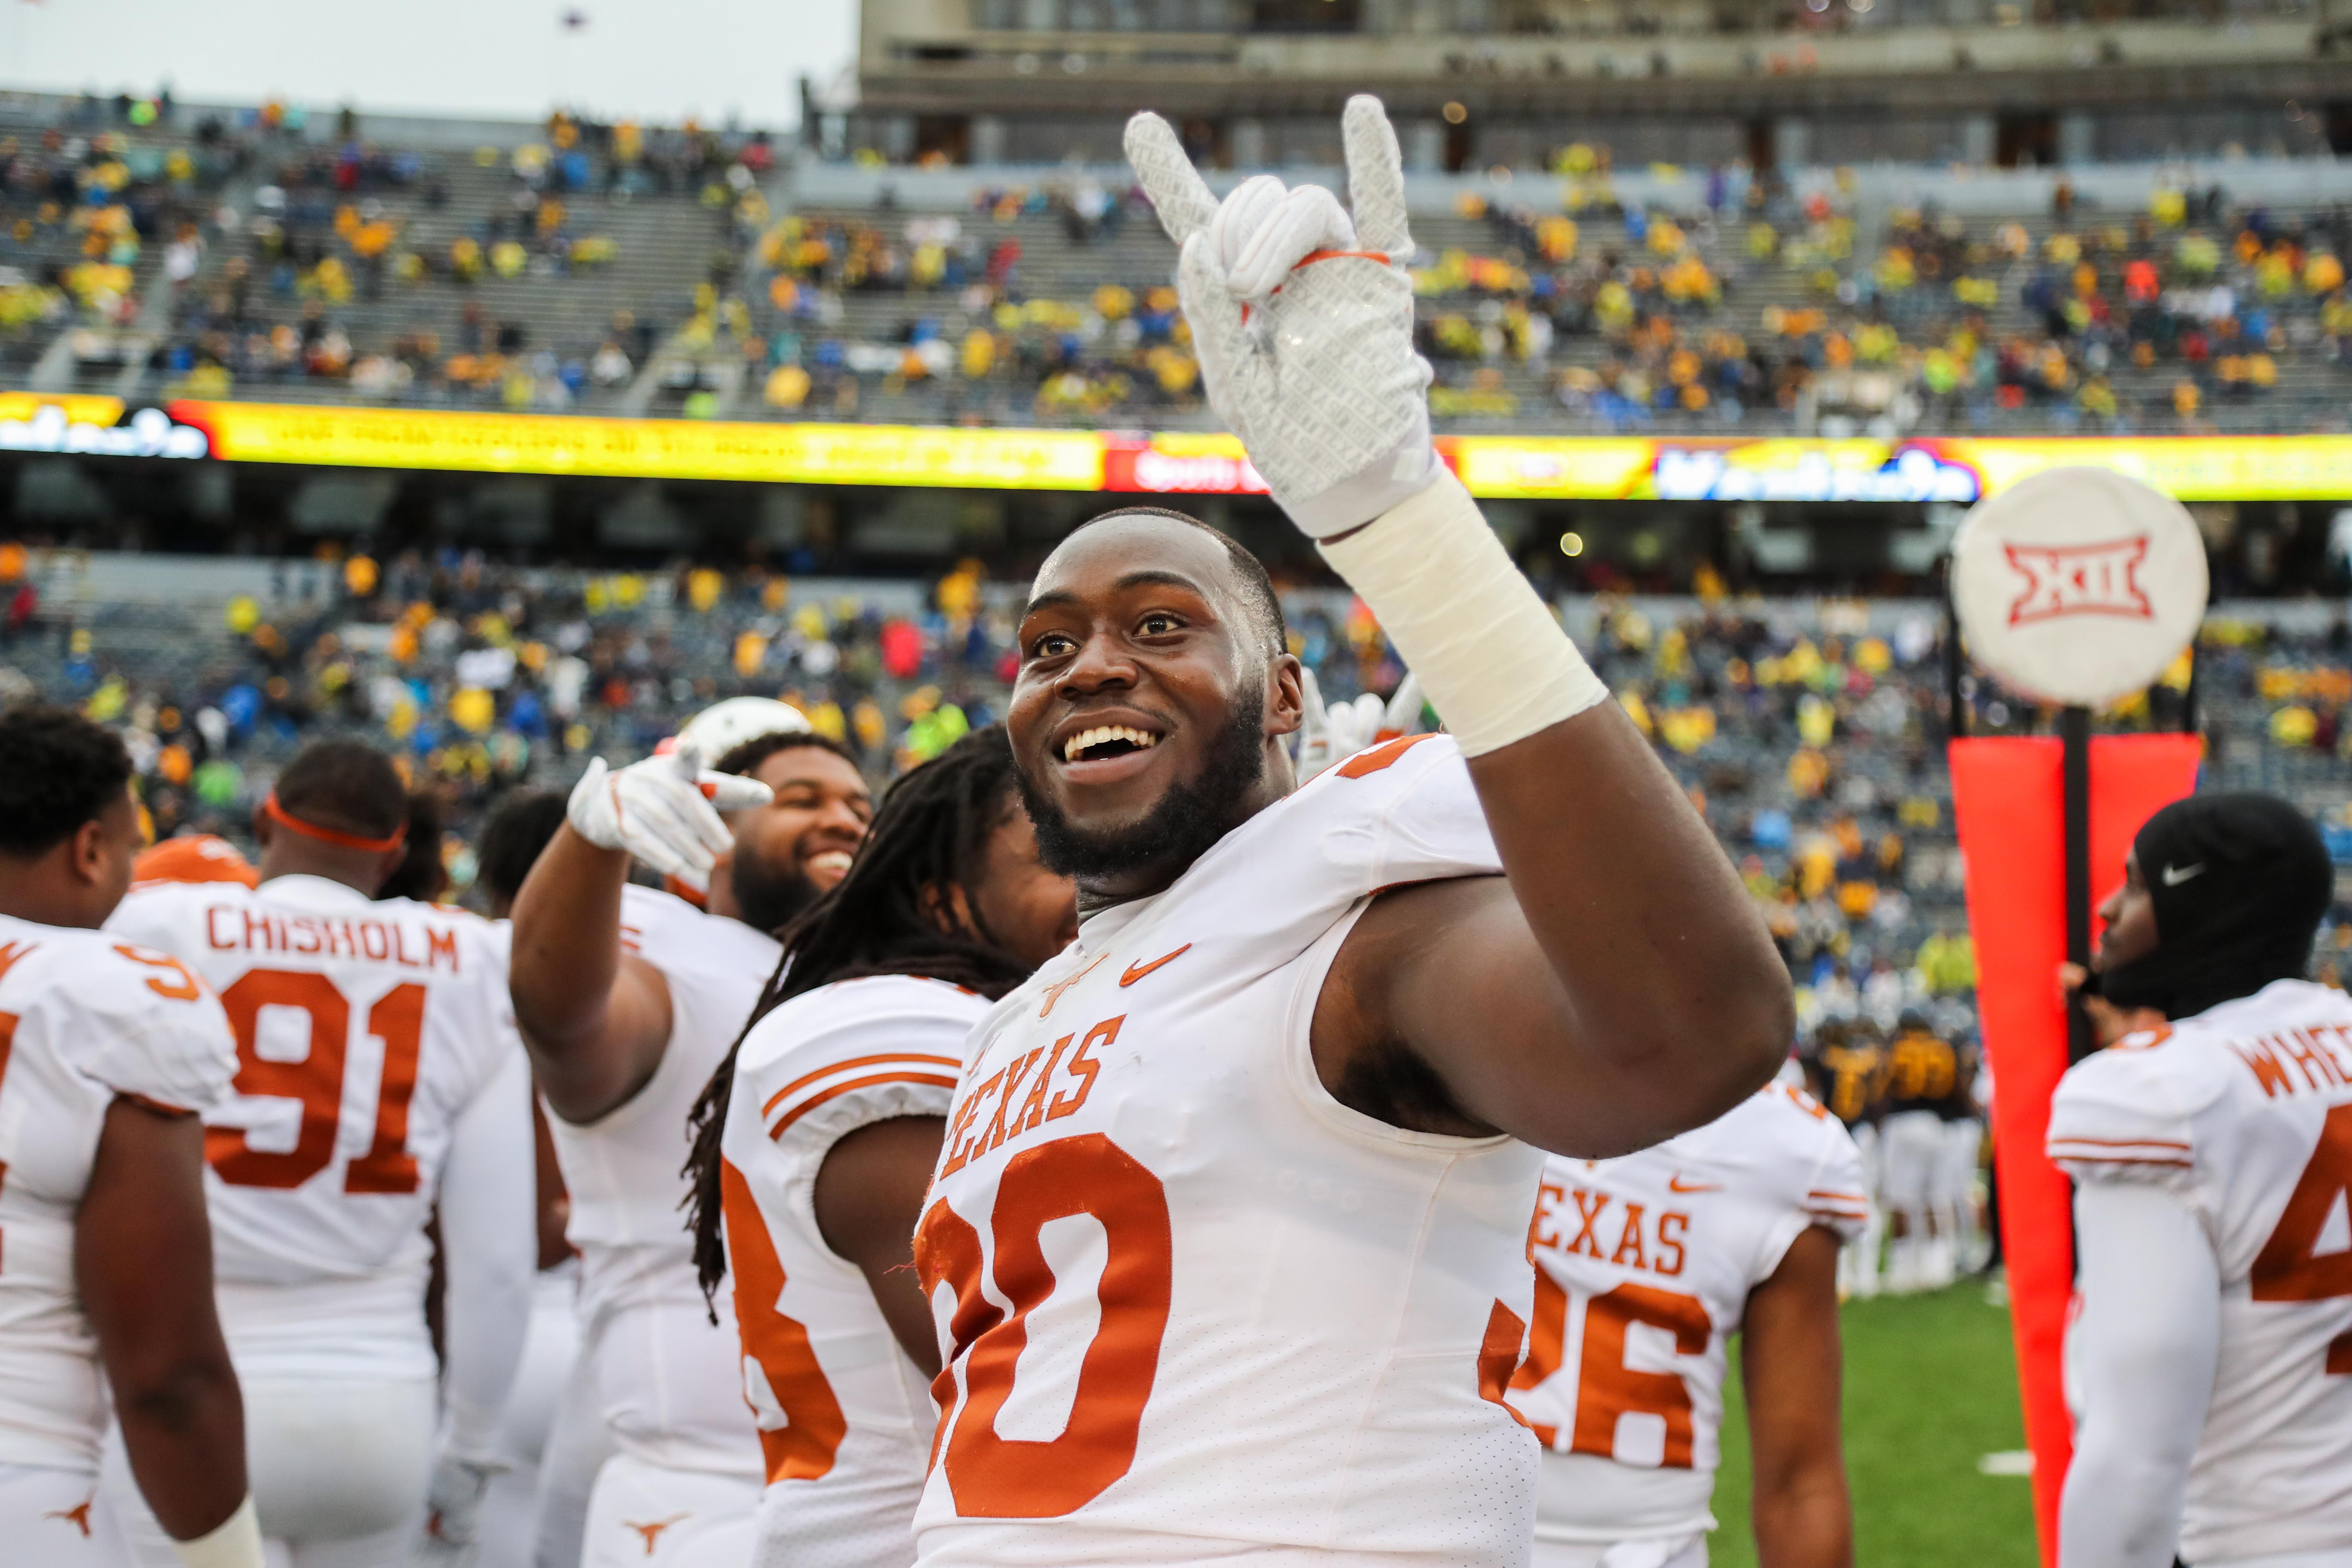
(627,997)
(817,1135)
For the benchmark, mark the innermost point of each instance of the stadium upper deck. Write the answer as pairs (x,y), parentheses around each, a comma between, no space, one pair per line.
(612,269)
(1474,83)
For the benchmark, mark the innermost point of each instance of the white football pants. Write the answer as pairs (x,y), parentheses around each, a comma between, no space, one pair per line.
(1858,1272)
(1674,1552)
(52,1519)
(1963,1142)
(1913,1160)
(338,1467)
(533,1445)
(643,1516)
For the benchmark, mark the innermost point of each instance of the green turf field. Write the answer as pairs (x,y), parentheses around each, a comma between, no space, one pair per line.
(1931,1387)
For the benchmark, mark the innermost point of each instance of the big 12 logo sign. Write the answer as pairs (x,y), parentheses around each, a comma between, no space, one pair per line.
(2062,580)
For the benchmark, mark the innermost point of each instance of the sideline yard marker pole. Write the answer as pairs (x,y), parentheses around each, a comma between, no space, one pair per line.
(2075,776)
(2074,587)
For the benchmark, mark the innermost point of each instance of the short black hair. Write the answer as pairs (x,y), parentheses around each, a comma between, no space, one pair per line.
(745,757)
(345,787)
(517,830)
(1258,595)
(57,771)
(420,874)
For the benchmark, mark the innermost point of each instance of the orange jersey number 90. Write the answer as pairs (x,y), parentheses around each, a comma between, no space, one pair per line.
(994,1476)
(316,1081)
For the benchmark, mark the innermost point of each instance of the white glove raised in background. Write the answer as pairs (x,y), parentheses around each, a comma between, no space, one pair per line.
(663,810)
(453,1510)
(1330,735)
(1302,319)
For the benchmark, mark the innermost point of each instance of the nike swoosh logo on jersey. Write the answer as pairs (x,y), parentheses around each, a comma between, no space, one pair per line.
(2175,875)
(1674,1183)
(1136,972)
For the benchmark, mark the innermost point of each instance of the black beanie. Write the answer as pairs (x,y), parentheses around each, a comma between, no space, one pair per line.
(2239,882)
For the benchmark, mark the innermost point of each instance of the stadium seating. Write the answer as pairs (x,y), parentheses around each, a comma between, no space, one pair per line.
(1781,317)
(538,277)
(606,268)
(1808,731)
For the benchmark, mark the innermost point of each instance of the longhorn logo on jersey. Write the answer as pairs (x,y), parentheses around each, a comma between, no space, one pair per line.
(2079,580)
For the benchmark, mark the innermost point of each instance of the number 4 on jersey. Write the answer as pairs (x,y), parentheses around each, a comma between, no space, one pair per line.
(2309,1255)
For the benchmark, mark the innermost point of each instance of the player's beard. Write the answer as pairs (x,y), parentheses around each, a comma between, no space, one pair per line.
(767,899)
(1177,831)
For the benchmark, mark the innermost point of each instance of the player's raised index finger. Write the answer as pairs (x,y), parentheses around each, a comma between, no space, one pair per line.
(1375,178)
(1178,194)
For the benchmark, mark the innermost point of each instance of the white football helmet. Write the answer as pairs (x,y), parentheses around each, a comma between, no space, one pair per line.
(723,726)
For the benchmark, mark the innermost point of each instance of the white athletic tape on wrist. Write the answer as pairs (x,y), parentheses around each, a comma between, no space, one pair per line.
(235,1544)
(1494,664)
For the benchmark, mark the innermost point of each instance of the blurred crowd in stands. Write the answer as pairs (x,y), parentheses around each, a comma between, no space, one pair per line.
(1810,736)
(1723,301)
(1754,303)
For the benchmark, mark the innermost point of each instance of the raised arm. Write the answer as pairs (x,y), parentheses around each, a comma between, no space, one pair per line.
(595,1020)
(1793,1369)
(143,1262)
(1615,988)
(1621,988)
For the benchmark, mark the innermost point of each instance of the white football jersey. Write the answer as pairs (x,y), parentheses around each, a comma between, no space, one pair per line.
(671,1379)
(844,1418)
(84,1018)
(1642,1268)
(2245,1110)
(364,1031)
(1192,1305)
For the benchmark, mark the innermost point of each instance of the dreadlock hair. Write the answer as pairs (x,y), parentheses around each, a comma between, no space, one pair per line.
(931,832)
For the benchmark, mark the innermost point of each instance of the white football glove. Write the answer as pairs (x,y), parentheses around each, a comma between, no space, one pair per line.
(1331,736)
(1302,319)
(663,810)
(453,1509)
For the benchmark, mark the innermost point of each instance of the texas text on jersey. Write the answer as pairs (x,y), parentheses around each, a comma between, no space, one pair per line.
(84,1018)
(1643,1265)
(1191,1304)
(2245,1112)
(845,1419)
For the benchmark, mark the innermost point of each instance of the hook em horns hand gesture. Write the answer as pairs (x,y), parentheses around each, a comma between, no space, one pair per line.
(1302,318)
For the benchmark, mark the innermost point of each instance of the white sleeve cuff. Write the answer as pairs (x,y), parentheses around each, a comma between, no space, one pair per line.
(237,1543)
(1495,662)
